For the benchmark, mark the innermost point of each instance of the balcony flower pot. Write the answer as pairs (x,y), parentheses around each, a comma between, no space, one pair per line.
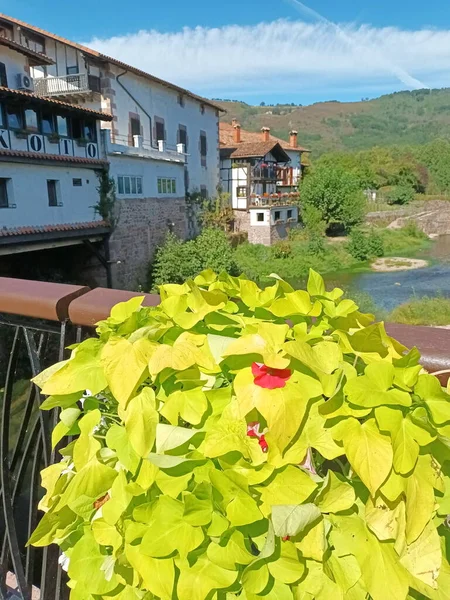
(82,142)
(21,134)
(53,138)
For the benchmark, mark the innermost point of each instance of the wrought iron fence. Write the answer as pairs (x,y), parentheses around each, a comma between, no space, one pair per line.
(26,348)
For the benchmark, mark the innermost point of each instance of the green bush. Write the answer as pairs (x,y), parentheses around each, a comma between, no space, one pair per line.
(244,443)
(363,246)
(375,244)
(423,311)
(336,194)
(176,261)
(358,245)
(401,194)
(412,229)
(281,249)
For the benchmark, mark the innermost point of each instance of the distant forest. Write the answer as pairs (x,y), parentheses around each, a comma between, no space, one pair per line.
(401,119)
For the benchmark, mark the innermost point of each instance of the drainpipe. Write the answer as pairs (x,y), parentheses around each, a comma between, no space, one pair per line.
(137,102)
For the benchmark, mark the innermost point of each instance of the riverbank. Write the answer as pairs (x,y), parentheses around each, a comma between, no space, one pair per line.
(292,259)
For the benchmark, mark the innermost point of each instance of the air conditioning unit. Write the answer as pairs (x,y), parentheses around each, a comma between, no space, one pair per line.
(25,82)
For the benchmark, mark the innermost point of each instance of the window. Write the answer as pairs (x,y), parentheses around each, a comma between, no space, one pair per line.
(289,214)
(260,217)
(4,193)
(180,101)
(90,130)
(63,126)
(15,118)
(52,190)
(31,120)
(34,42)
(3,78)
(77,182)
(2,118)
(182,136)
(242,191)
(47,123)
(167,185)
(203,192)
(202,109)
(277,215)
(72,70)
(77,129)
(203,148)
(129,185)
(160,131)
(6,31)
(135,126)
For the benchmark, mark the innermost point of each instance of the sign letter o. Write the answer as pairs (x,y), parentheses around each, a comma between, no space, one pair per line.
(35,143)
(91,150)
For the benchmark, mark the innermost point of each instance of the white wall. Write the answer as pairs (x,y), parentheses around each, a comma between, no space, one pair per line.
(149,170)
(160,101)
(15,63)
(27,189)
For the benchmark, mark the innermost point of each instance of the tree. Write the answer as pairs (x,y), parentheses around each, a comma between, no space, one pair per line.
(337,194)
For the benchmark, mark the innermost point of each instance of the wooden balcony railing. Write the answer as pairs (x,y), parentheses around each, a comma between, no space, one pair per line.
(38,321)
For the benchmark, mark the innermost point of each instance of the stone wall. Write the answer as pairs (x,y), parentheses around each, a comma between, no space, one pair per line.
(142,226)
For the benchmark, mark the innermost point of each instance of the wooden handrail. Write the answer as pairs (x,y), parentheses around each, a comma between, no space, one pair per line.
(84,307)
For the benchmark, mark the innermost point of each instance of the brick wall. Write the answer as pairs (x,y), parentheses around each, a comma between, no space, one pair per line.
(142,226)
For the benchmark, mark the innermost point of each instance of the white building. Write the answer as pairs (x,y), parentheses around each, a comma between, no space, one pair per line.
(161,140)
(48,178)
(261,173)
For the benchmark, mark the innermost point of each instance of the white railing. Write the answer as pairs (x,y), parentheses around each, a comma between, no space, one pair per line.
(138,146)
(58,86)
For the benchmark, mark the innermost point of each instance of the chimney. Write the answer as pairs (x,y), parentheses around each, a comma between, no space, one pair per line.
(293,138)
(265,133)
(237,132)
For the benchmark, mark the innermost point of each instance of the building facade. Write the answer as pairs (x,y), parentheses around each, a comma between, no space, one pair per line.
(50,163)
(261,174)
(160,141)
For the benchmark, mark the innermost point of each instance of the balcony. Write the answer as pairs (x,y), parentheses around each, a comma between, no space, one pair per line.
(139,147)
(264,173)
(67,85)
(269,200)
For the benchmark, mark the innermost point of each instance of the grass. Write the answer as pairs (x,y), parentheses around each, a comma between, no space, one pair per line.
(258,262)
(423,311)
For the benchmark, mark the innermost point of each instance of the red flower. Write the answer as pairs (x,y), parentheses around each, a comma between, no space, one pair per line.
(286,538)
(253,432)
(269,378)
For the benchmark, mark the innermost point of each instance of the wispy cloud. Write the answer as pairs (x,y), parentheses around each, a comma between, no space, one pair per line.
(287,57)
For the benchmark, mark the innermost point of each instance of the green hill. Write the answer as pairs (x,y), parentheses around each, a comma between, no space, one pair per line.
(403,118)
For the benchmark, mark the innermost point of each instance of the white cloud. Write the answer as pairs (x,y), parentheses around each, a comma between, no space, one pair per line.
(287,57)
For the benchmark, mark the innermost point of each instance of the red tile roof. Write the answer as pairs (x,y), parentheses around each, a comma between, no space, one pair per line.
(226,136)
(256,149)
(92,162)
(97,114)
(27,230)
(114,61)
(37,57)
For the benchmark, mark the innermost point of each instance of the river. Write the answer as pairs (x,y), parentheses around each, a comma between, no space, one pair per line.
(388,290)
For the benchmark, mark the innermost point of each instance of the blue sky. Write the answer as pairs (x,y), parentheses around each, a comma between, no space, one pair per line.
(270,50)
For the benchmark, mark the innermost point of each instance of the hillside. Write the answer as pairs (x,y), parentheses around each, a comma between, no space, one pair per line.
(402,118)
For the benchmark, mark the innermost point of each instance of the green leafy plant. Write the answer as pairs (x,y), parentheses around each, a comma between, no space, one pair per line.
(106,205)
(363,246)
(401,194)
(337,194)
(238,442)
(177,260)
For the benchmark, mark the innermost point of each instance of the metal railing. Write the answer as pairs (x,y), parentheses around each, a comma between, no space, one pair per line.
(66,85)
